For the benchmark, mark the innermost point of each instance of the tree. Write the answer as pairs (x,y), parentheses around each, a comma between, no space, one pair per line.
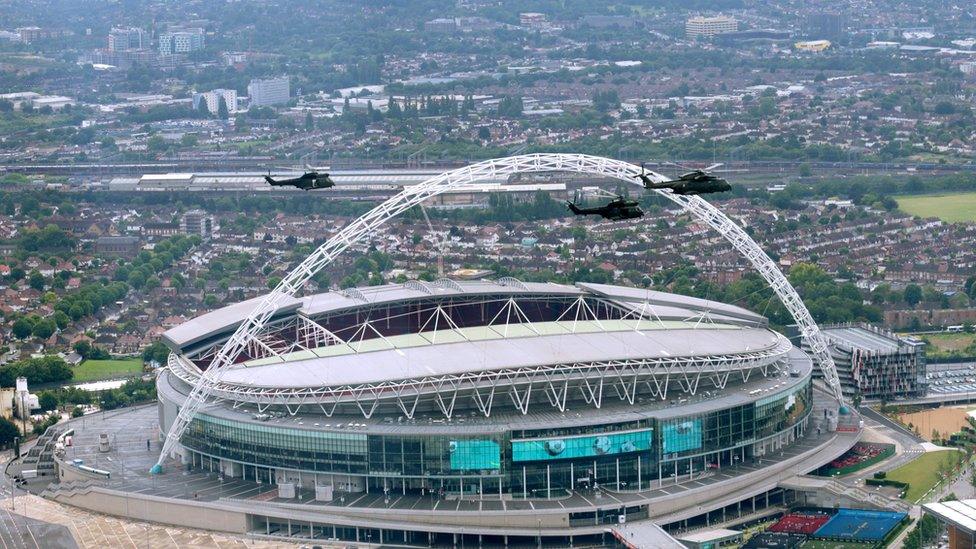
(61,319)
(83,348)
(944,108)
(44,369)
(8,431)
(913,294)
(35,280)
(44,328)
(22,328)
(152,282)
(48,401)
(222,112)
(605,101)
(156,144)
(203,111)
(155,353)
(112,400)
(510,107)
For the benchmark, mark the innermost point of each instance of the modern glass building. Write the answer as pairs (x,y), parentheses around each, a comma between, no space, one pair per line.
(524,462)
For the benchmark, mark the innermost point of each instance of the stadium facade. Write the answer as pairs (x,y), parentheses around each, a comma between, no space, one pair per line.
(500,392)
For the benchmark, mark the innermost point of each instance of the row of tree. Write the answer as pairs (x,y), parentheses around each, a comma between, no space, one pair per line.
(134,391)
(47,369)
(41,328)
(49,239)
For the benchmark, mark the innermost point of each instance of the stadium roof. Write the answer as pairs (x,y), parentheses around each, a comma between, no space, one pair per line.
(220,320)
(337,301)
(961,514)
(524,350)
(659,305)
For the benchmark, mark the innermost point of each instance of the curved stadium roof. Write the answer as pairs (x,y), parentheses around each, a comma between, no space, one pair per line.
(656,325)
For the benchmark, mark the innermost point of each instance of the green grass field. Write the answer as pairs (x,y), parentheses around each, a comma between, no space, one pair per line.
(923,473)
(95,370)
(953,208)
(950,342)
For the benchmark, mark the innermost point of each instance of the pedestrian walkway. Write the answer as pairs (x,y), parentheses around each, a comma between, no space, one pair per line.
(42,524)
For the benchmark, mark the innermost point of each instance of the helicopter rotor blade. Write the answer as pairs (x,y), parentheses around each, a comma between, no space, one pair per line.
(713,166)
(682,166)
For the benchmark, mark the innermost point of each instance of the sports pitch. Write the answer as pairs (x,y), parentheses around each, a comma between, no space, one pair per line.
(953,208)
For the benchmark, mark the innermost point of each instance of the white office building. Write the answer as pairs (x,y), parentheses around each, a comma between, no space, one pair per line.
(213,97)
(269,91)
(126,39)
(181,41)
(710,26)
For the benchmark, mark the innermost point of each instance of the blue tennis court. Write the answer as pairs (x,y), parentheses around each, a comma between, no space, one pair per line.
(859,525)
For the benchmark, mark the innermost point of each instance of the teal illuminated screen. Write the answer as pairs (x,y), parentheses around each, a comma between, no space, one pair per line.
(539,449)
(681,436)
(469,455)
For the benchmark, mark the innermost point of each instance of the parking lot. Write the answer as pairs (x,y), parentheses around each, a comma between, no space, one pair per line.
(947,381)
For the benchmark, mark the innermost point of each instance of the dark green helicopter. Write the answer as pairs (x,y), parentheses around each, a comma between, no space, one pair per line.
(691,183)
(310,180)
(618,209)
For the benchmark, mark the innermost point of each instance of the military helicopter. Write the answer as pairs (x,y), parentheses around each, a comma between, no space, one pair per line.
(691,183)
(618,209)
(308,181)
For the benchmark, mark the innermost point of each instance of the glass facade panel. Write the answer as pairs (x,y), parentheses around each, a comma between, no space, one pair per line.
(681,435)
(543,449)
(539,463)
(467,455)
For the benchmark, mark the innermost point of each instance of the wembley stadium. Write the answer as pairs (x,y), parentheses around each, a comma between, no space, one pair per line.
(492,390)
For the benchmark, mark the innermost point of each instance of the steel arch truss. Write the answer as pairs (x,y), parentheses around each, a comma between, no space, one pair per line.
(360,228)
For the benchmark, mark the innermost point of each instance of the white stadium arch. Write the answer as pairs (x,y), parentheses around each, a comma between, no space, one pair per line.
(489,169)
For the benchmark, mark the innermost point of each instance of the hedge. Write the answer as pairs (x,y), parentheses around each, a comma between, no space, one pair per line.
(887,482)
